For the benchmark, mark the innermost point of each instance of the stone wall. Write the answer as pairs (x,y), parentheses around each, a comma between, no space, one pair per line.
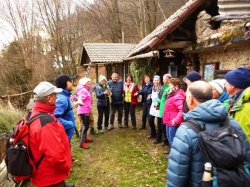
(228,59)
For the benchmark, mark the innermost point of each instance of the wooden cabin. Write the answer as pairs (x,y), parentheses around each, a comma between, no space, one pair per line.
(104,58)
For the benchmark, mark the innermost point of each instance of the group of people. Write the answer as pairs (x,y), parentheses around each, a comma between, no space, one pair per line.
(207,103)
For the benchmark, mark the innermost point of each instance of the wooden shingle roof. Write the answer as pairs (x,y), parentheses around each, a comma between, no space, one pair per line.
(105,52)
(168,26)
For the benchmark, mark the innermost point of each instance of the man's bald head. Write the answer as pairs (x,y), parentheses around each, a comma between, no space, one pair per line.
(201,91)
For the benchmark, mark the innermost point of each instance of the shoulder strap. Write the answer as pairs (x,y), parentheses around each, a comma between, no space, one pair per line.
(226,122)
(39,115)
(194,125)
(29,121)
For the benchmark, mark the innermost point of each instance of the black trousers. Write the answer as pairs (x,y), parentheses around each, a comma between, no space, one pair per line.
(114,108)
(153,132)
(129,109)
(145,114)
(85,126)
(60,184)
(103,110)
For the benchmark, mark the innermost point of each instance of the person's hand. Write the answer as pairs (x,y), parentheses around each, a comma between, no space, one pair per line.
(135,94)
(173,123)
(78,103)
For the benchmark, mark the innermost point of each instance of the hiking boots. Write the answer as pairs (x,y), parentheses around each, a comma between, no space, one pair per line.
(134,127)
(107,129)
(100,131)
(92,131)
(112,126)
(88,139)
(120,125)
(142,128)
(157,141)
(69,185)
(151,136)
(84,145)
(125,126)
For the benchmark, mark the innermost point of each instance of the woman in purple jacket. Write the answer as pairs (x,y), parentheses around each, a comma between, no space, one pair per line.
(84,107)
(173,109)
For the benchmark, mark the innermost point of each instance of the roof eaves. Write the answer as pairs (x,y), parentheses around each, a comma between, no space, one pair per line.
(161,31)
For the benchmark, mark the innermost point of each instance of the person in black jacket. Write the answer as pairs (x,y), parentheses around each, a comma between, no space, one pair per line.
(102,98)
(116,86)
(146,99)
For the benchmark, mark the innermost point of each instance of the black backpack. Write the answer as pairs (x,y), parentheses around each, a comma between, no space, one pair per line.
(224,148)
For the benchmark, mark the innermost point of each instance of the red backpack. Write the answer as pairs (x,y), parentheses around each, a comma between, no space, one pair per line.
(19,158)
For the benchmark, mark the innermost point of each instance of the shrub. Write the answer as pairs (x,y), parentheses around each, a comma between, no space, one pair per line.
(8,119)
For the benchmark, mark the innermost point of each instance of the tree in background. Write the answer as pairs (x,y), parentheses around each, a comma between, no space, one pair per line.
(49,34)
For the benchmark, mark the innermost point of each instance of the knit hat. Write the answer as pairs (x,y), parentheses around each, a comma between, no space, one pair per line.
(102,77)
(218,84)
(193,76)
(239,78)
(61,80)
(84,80)
(44,89)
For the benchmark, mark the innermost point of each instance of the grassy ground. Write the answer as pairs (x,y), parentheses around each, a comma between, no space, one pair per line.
(118,158)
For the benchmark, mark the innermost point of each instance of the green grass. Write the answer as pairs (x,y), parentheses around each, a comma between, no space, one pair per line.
(120,157)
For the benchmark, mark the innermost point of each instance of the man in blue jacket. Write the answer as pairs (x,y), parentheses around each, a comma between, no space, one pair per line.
(186,165)
(116,86)
(64,109)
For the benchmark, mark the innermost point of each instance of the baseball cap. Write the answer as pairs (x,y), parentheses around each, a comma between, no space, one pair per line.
(61,80)
(44,89)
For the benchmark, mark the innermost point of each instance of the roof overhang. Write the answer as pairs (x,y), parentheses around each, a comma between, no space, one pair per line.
(145,55)
(217,45)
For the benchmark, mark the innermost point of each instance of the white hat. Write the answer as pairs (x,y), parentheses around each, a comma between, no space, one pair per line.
(84,80)
(44,89)
(102,77)
(218,84)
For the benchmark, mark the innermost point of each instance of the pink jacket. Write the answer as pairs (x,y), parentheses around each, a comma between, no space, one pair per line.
(173,108)
(83,94)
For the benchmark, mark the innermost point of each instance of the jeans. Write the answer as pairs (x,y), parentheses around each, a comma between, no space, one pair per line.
(145,114)
(85,127)
(103,110)
(170,131)
(153,132)
(119,108)
(128,108)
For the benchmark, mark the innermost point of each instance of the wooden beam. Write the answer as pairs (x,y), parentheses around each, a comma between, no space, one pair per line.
(145,55)
(175,45)
(14,95)
(96,74)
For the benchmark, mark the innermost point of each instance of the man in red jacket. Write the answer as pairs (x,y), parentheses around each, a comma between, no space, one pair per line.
(48,137)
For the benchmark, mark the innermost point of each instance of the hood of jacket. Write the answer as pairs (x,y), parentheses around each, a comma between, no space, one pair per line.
(209,112)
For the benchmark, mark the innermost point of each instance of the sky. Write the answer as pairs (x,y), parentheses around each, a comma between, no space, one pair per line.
(6,33)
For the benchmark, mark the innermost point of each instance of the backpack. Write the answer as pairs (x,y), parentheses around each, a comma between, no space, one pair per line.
(19,158)
(224,149)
